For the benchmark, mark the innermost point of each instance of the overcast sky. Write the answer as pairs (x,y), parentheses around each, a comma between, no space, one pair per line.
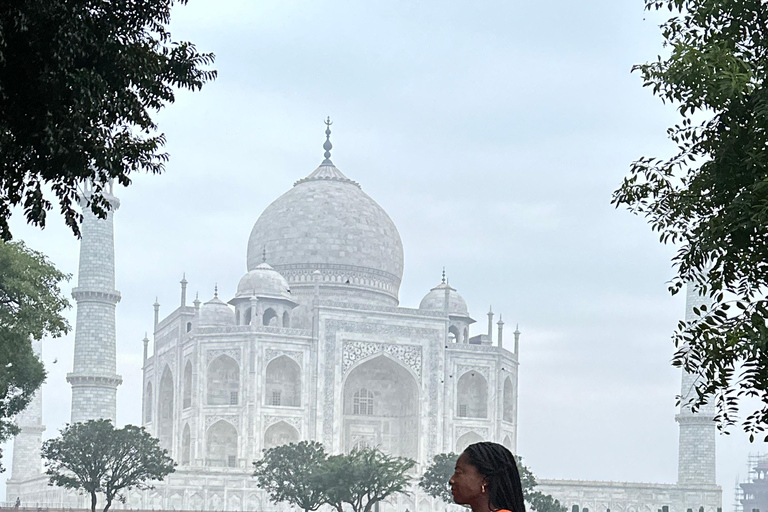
(493,133)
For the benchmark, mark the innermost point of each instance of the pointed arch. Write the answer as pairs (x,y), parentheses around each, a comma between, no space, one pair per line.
(381,407)
(148,403)
(223,381)
(280,433)
(472,396)
(454,336)
(286,319)
(221,445)
(507,442)
(186,445)
(187,386)
(165,409)
(283,383)
(270,317)
(466,440)
(508,401)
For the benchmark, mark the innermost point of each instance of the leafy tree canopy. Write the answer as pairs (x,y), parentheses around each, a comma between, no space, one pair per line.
(435,479)
(304,475)
(291,473)
(30,308)
(95,457)
(79,80)
(711,197)
(364,477)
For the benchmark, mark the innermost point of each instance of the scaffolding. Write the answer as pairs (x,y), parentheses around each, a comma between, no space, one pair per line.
(752,494)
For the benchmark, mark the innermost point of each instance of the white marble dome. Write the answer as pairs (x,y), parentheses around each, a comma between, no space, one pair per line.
(263,280)
(215,313)
(327,223)
(435,301)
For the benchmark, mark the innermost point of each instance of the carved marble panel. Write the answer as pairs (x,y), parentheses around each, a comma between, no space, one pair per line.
(293,421)
(212,354)
(210,419)
(464,368)
(481,431)
(296,355)
(410,355)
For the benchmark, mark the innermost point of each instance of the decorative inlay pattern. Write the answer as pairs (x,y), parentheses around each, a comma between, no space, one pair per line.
(384,309)
(464,368)
(410,355)
(229,329)
(296,355)
(234,353)
(481,431)
(234,419)
(291,420)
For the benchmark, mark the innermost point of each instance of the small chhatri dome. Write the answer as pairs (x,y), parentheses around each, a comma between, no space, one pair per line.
(216,313)
(435,300)
(263,281)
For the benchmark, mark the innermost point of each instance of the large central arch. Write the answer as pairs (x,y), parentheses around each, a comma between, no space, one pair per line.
(388,419)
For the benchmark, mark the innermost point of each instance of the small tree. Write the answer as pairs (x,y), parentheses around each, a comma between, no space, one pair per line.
(537,499)
(364,478)
(97,458)
(291,473)
(434,481)
(30,309)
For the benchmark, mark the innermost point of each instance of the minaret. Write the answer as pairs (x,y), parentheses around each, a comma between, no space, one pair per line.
(500,323)
(696,449)
(93,378)
(490,324)
(27,443)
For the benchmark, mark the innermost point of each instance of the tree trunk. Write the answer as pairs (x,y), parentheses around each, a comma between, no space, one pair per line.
(109,504)
(93,501)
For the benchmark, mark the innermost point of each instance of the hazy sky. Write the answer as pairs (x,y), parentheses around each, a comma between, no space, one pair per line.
(493,133)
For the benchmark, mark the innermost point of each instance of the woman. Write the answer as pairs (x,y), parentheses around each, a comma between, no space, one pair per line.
(486,479)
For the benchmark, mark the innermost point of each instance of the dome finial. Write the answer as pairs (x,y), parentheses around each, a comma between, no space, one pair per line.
(443,275)
(216,290)
(264,254)
(327,146)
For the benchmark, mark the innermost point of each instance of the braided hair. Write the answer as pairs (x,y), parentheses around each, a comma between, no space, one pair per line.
(497,465)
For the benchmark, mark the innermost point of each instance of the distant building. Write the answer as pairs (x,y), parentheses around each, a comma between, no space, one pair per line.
(753,494)
(313,345)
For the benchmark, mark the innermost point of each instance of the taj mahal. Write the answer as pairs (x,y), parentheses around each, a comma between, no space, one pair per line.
(315,345)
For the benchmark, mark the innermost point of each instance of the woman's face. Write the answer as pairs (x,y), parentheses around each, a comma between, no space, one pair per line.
(467,483)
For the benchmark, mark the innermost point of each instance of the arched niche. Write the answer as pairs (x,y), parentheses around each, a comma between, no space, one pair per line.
(286,319)
(466,440)
(187,386)
(186,445)
(454,336)
(196,502)
(283,383)
(221,445)
(165,409)
(508,401)
(269,317)
(393,424)
(472,396)
(507,442)
(148,403)
(223,381)
(280,433)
